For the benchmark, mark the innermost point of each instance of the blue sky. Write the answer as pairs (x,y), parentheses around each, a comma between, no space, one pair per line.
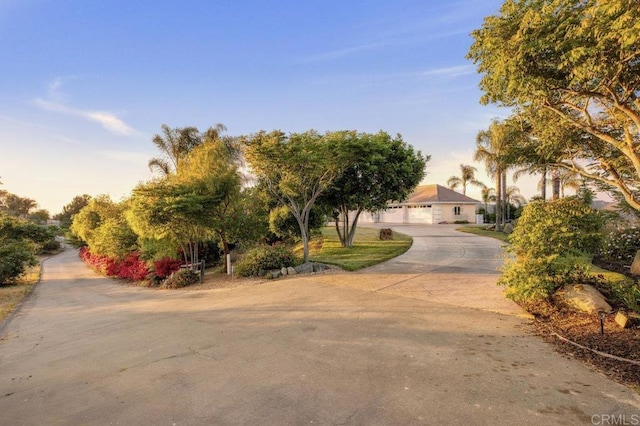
(86,84)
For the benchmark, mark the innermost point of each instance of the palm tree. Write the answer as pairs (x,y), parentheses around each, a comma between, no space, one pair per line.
(512,196)
(491,149)
(467,176)
(175,144)
(488,195)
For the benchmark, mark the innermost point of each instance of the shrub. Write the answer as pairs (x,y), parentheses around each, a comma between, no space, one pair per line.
(548,248)
(264,258)
(166,266)
(620,246)
(181,278)
(131,268)
(15,257)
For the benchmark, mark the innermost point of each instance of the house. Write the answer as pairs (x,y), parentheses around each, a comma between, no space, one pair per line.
(429,204)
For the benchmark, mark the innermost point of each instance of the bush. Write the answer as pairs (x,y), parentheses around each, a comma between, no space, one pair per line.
(131,268)
(15,257)
(620,246)
(548,247)
(264,258)
(181,278)
(166,266)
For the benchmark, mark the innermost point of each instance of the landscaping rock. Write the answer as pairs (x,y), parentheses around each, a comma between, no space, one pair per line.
(291,271)
(305,268)
(635,266)
(508,228)
(582,297)
(275,273)
(386,234)
(622,319)
(283,271)
(319,267)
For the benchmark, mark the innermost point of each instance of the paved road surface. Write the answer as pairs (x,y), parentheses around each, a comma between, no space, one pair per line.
(87,350)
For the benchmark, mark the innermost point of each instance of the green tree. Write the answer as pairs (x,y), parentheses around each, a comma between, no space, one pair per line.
(295,169)
(378,168)
(175,144)
(73,207)
(576,63)
(467,176)
(491,149)
(15,205)
(40,216)
(102,225)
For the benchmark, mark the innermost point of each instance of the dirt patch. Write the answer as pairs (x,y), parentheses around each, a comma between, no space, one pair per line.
(584,329)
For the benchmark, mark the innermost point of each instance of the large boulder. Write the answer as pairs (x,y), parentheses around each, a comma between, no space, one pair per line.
(305,268)
(582,297)
(508,228)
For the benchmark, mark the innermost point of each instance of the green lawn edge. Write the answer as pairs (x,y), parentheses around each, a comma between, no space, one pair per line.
(480,230)
(367,250)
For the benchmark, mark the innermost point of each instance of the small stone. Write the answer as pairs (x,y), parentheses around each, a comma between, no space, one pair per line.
(275,273)
(508,228)
(283,271)
(622,319)
(291,271)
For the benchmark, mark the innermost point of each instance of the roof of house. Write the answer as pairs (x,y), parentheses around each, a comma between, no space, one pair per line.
(438,194)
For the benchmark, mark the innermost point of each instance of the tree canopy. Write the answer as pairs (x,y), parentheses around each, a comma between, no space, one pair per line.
(378,169)
(296,168)
(574,67)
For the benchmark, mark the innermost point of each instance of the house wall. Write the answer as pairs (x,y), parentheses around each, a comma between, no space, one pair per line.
(467,212)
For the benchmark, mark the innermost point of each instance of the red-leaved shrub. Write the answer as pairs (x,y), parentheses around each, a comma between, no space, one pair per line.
(131,268)
(166,266)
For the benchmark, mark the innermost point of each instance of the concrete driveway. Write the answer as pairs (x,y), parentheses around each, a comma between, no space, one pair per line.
(88,350)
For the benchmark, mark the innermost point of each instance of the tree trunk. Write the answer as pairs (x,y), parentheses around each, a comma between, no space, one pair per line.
(499,201)
(555,184)
(543,184)
(504,197)
(352,233)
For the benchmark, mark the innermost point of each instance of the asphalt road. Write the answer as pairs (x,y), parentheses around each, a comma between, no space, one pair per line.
(302,350)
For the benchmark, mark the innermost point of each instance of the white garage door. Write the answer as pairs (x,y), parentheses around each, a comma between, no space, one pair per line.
(420,214)
(393,215)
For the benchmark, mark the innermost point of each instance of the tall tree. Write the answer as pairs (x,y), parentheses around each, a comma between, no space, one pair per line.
(296,169)
(467,176)
(15,205)
(378,168)
(72,208)
(491,149)
(175,144)
(577,64)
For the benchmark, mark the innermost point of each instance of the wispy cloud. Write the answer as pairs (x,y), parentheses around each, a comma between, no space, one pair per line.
(341,53)
(456,71)
(55,102)
(106,119)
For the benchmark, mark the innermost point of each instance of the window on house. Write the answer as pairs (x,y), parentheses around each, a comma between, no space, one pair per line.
(456,211)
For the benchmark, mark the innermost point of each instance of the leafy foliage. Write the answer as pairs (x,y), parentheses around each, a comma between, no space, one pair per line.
(548,247)
(15,257)
(620,246)
(66,216)
(130,268)
(378,168)
(572,67)
(166,266)
(263,258)
(181,278)
(284,225)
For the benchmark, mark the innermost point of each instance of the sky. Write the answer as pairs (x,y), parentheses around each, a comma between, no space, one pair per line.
(86,84)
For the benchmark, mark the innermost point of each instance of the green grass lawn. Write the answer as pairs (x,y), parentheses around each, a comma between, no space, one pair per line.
(479,230)
(367,248)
